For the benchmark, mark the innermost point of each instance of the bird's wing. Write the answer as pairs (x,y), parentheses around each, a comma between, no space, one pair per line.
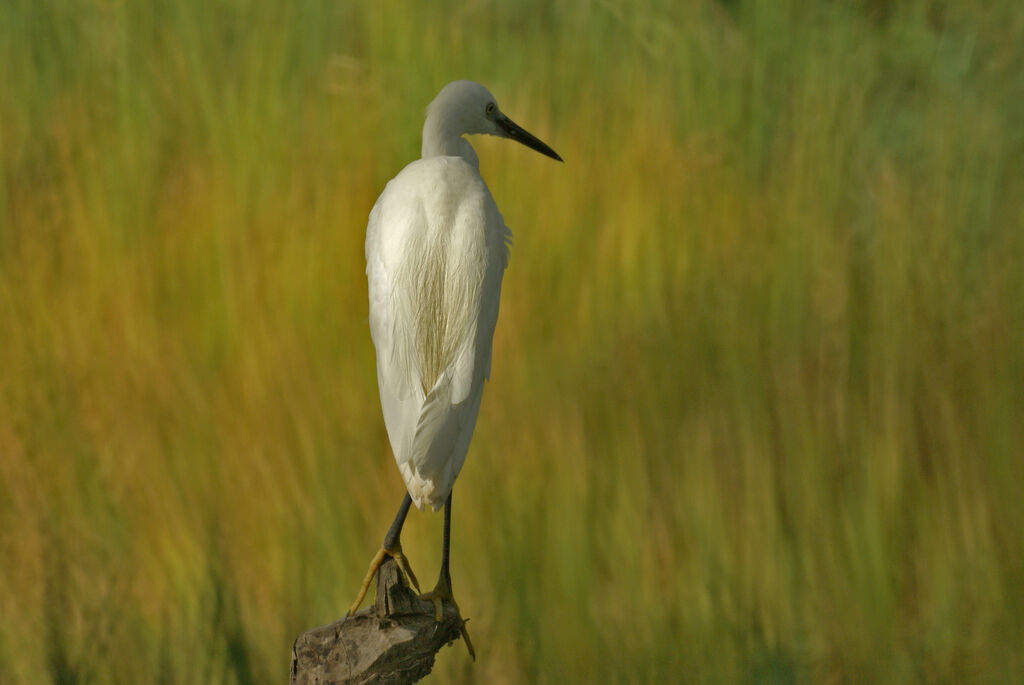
(450,408)
(400,393)
(434,278)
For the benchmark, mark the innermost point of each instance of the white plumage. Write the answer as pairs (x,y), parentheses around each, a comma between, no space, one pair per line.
(435,253)
(436,248)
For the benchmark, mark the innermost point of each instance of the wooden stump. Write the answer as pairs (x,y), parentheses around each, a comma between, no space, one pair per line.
(392,642)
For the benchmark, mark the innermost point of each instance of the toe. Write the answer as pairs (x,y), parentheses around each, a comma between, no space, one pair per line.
(406,569)
(438,609)
(469,643)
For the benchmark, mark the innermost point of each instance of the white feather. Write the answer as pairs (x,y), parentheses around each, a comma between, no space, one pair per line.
(436,248)
(435,253)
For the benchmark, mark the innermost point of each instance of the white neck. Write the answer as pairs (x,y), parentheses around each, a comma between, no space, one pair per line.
(441,142)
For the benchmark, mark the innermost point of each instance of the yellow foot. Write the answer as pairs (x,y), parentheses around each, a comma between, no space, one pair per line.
(443,591)
(403,566)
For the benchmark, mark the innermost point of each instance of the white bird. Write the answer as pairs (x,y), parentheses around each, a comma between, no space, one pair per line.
(436,248)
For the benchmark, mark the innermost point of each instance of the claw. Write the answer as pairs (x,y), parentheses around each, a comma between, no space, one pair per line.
(469,643)
(443,591)
(438,609)
(406,569)
(378,559)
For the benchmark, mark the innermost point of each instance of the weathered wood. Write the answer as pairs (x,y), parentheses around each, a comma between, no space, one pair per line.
(392,642)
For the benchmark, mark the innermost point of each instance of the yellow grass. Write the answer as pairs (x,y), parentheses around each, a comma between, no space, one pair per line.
(757,408)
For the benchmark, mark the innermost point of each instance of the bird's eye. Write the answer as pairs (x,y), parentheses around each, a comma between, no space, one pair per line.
(489,109)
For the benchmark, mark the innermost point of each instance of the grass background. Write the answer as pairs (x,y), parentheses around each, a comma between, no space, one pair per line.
(757,411)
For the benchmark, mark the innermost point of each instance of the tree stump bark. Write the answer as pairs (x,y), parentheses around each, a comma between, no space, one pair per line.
(392,642)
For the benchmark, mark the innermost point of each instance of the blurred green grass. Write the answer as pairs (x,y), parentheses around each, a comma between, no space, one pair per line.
(757,412)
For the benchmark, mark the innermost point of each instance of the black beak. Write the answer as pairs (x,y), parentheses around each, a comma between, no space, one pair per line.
(519,134)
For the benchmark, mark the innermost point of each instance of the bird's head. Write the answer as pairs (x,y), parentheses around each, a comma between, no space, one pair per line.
(465,107)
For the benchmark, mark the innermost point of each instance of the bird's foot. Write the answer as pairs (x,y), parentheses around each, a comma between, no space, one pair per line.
(443,591)
(395,553)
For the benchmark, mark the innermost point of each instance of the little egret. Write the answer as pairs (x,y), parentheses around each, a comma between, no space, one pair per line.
(436,248)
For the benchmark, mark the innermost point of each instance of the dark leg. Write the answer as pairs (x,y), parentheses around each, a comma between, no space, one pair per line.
(391,548)
(443,589)
(446,542)
(391,538)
